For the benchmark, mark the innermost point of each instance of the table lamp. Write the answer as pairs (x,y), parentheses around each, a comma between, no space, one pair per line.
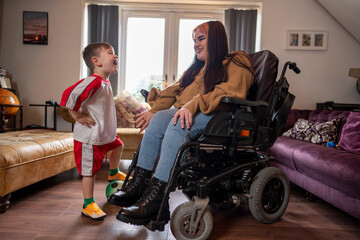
(355,73)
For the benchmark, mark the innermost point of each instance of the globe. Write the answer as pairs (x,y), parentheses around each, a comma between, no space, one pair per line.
(7,97)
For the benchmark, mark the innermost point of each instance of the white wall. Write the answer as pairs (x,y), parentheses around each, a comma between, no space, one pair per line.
(43,72)
(324,75)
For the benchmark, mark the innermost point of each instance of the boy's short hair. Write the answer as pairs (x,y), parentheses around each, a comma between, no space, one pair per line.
(93,50)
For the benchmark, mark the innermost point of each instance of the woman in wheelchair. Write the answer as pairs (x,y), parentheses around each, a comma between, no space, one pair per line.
(178,114)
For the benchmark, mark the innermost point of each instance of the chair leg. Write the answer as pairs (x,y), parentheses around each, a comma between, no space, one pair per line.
(4,203)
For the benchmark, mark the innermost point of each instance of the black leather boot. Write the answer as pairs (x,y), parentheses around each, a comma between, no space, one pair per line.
(133,190)
(147,207)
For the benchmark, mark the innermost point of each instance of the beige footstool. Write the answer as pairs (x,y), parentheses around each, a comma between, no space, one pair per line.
(131,139)
(27,157)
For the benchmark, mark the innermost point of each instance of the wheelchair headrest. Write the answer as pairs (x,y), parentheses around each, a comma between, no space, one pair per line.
(265,65)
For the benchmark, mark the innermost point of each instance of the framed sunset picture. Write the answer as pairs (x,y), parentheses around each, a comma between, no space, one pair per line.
(35,28)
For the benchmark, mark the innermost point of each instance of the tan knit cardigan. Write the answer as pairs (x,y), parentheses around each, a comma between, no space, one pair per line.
(193,98)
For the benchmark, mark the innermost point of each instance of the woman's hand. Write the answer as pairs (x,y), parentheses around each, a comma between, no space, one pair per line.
(185,117)
(142,120)
(83,118)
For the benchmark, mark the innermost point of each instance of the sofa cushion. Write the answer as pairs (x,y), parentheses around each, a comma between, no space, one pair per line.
(300,131)
(19,147)
(326,131)
(326,115)
(350,135)
(319,133)
(283,149)
(336,168)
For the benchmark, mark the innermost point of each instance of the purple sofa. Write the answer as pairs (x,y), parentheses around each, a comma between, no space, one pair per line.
(332,174)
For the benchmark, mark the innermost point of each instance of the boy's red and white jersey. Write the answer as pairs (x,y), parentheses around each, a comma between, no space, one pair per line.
(93,96)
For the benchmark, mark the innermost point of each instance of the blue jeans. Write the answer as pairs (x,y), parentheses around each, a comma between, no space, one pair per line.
(163,139)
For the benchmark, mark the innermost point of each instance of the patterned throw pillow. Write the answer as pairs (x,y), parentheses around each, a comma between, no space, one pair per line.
(319,133)
(300,131)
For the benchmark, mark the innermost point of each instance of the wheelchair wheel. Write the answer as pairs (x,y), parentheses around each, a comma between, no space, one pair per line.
(180,223)
(270,192)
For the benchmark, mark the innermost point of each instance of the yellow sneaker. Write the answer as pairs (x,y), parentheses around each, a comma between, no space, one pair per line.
(118,176)
(93,211)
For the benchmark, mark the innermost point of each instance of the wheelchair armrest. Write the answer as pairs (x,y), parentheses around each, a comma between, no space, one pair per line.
(243,102)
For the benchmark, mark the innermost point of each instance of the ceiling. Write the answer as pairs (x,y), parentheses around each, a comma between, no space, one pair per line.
(346,12)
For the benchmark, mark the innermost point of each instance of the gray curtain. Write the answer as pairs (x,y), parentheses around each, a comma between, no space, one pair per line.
(240,27)
(103,26)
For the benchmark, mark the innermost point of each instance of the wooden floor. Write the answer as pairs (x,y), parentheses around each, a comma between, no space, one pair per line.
(51,210)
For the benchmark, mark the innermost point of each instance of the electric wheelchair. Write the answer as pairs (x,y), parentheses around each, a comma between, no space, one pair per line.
(228,165)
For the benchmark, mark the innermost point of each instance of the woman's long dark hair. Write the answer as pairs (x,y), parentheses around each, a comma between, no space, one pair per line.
(217,51)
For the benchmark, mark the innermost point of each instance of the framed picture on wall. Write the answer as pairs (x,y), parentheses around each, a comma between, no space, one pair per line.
(35,28)
(306,40)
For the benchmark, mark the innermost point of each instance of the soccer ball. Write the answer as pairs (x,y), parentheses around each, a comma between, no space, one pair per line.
(112,187)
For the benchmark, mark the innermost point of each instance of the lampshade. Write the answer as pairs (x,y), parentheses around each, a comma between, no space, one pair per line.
(354,72)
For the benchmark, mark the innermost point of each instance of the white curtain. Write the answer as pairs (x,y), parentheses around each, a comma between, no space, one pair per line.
(103,26)
(240,27)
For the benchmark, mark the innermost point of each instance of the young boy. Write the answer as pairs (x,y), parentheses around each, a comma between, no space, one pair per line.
(90,102)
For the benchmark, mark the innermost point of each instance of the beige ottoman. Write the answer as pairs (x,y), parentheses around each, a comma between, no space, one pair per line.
(131,139)
(30,156)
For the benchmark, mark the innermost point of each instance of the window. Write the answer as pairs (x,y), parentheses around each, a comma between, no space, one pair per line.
(144,59)
(157,47)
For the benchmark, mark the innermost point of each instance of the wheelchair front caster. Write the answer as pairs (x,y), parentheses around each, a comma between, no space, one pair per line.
(269,195)
(180,223)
